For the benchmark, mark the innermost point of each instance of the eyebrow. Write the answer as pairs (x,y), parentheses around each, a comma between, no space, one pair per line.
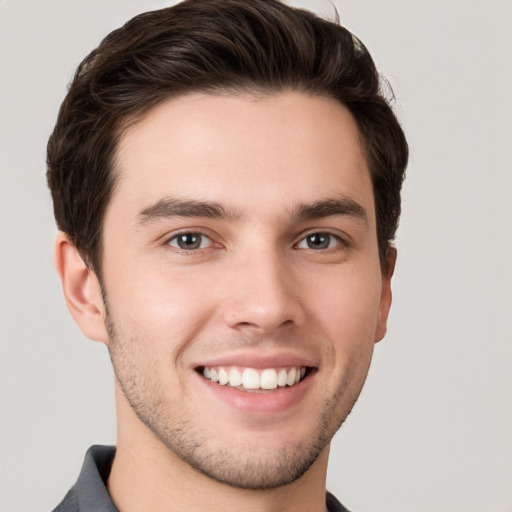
(177,207)
(340,206)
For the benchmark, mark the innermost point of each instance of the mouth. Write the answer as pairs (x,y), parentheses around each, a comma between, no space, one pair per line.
(255,380)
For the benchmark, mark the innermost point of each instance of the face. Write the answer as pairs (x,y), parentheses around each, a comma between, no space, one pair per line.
(242,281)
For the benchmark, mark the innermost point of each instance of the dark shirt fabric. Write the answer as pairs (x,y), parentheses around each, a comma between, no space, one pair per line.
(90,494)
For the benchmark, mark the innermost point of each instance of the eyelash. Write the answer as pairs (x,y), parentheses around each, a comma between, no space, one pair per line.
(198,234)
(331,237)
(340,243)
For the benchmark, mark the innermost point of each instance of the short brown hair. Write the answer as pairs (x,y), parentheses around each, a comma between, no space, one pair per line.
(255,46)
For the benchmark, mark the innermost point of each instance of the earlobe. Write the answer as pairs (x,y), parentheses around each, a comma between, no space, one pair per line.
(386,295)
(81,289)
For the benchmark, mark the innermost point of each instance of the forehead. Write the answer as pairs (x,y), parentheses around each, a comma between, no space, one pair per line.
(243,151)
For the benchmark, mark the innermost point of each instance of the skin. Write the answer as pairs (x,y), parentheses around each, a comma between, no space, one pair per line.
(256,287)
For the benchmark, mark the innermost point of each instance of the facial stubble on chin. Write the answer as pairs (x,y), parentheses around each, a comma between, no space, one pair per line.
(233,465)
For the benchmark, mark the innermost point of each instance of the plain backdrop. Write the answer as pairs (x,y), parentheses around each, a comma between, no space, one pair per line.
(432,430)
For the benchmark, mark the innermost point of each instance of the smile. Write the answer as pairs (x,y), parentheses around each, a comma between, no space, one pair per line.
(252,379)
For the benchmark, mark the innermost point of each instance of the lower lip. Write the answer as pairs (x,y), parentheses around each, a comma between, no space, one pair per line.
(269,402)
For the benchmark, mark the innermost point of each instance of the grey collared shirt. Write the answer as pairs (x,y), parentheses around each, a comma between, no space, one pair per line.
(90,494)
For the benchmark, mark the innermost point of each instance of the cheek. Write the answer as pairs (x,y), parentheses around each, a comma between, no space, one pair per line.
(161,307)
(347,313)
(347,305)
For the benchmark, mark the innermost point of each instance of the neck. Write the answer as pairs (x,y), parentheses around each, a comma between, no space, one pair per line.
(146,475)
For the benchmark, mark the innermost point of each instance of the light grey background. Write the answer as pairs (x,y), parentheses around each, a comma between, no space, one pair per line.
(433,428)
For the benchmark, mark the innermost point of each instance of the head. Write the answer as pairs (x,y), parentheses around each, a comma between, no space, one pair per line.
(229,174)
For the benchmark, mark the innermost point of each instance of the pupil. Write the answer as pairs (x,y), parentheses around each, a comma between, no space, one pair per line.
(189,241)
(318,241)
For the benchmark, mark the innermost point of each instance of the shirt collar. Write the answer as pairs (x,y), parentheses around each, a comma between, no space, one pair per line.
(91,487)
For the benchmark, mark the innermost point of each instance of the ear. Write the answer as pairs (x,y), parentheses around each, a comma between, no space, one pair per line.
(81,290)
(385,295)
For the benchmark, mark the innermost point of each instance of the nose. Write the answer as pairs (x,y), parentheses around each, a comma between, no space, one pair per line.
(262,294)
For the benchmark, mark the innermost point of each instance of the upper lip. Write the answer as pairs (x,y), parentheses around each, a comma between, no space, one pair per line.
(260,361)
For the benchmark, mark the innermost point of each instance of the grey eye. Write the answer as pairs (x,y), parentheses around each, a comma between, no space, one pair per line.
(190,241)
(319,241)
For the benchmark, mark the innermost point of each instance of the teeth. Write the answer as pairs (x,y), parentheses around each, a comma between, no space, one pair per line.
(268,379)
(291,377)
(251,378)
(235,377)
(223,376)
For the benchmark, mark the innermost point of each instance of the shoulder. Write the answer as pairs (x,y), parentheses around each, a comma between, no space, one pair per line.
(90,494)
(333,505)
(69,503)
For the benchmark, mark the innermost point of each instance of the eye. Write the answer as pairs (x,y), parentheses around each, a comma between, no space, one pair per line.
(190,241)
(319,241)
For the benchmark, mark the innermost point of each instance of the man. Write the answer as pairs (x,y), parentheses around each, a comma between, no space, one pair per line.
(226,180)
